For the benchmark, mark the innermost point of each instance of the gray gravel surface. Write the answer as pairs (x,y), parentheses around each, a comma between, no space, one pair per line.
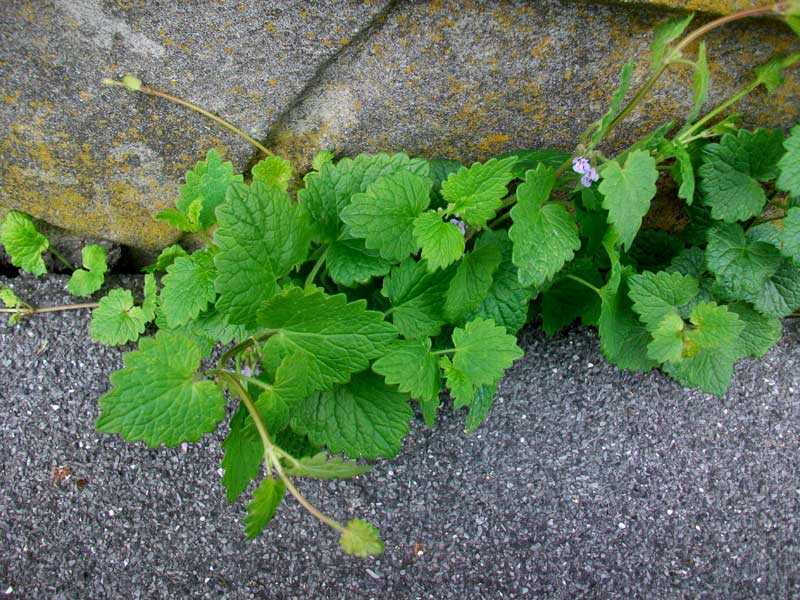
(584,482)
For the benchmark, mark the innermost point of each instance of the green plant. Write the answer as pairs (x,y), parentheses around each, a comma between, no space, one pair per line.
(386,278)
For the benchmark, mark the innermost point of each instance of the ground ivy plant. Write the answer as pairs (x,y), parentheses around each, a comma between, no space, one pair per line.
(335,301)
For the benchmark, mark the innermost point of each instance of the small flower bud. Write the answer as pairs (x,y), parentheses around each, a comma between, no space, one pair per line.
(131,83)
(462,227)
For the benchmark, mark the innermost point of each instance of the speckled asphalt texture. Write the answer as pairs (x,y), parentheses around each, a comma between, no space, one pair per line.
(584,482)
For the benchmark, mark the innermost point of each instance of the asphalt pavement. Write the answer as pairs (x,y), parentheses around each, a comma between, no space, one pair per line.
(584,482)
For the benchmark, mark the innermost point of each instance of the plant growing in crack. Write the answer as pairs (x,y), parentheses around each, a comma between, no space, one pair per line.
(387,278)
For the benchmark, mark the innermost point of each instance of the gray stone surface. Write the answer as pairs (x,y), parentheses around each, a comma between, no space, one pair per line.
(584,482)
(460,79)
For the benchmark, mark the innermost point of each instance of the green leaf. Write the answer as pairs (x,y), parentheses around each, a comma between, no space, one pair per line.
(328,192)
(87,282)
(770,75)
(545,235)
(442,243)
(359,538)
(441,169)
(243,455)
(566,299)
(663,36)
(623,338)
(780,295)
(9,298)
(208,182)
(690,261)
(710,349)
(657,295)
(732,169)
(791,234)
(261,509)
(627,192)
(23,243)
(189,222)
(351,263)
(461,389)
(150,297)
(292,384)
(116,320)
(742,266)
(417,298)
(529,159)
(384,215)
(700,80)
(410,366)
(166,258)
(261,236)
(339,338)
(472,282)
(506,301)
(364,417)
(321,158)
(616,104)
(475,194)
(760,332)
(667,342)
(483,351)
(157,397)
(686,170)
(789,164)
(320,466)
(273,171)
(188,288)
(480,406)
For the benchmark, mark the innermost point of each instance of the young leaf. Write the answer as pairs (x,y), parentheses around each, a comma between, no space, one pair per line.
(506,301)
(189,222)
(780,295)
(417,298)
(472,282)
(616,104)
(150,297)
(475,194)
(23,243)
(208,182)
(292,384)
(441,169)
(686,170)
(656,295)
(700,79)
(480,406)
(116,320)
(338,338)
(461,389)
(321,158)
(770,75)
(261,236)
(791,234)
(364,417)
(243,455)
(320,466)
(667,342)
(789,164)
(483,351)
(87,282)
(328,192)
(545,235)
(359,538)
(732,169)
(157,397)
(742,266)
(627,192)
(384,215)
(351,263)
(442,243)
(663,36)
(410,366)
(188,288)
(273,171)
(166,258)
(261,509)
(9,298)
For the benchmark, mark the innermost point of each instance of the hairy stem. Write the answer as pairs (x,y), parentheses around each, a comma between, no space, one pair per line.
(220,121)
(243,345)
(585,283)
(315,269)
(688,135)
(47,309)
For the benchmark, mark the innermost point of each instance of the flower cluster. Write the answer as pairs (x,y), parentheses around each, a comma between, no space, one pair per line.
(462,227)
(582,166)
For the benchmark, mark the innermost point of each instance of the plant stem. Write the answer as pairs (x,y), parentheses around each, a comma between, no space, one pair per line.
(687,135)
(316,268)
(270,458)
(220,121)
(243,345)
(586,283)
(439,352)
(500,219)
(58,255)
(47,309)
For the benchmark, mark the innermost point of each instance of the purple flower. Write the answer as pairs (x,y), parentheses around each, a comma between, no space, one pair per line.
(583,167)
(462,227)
